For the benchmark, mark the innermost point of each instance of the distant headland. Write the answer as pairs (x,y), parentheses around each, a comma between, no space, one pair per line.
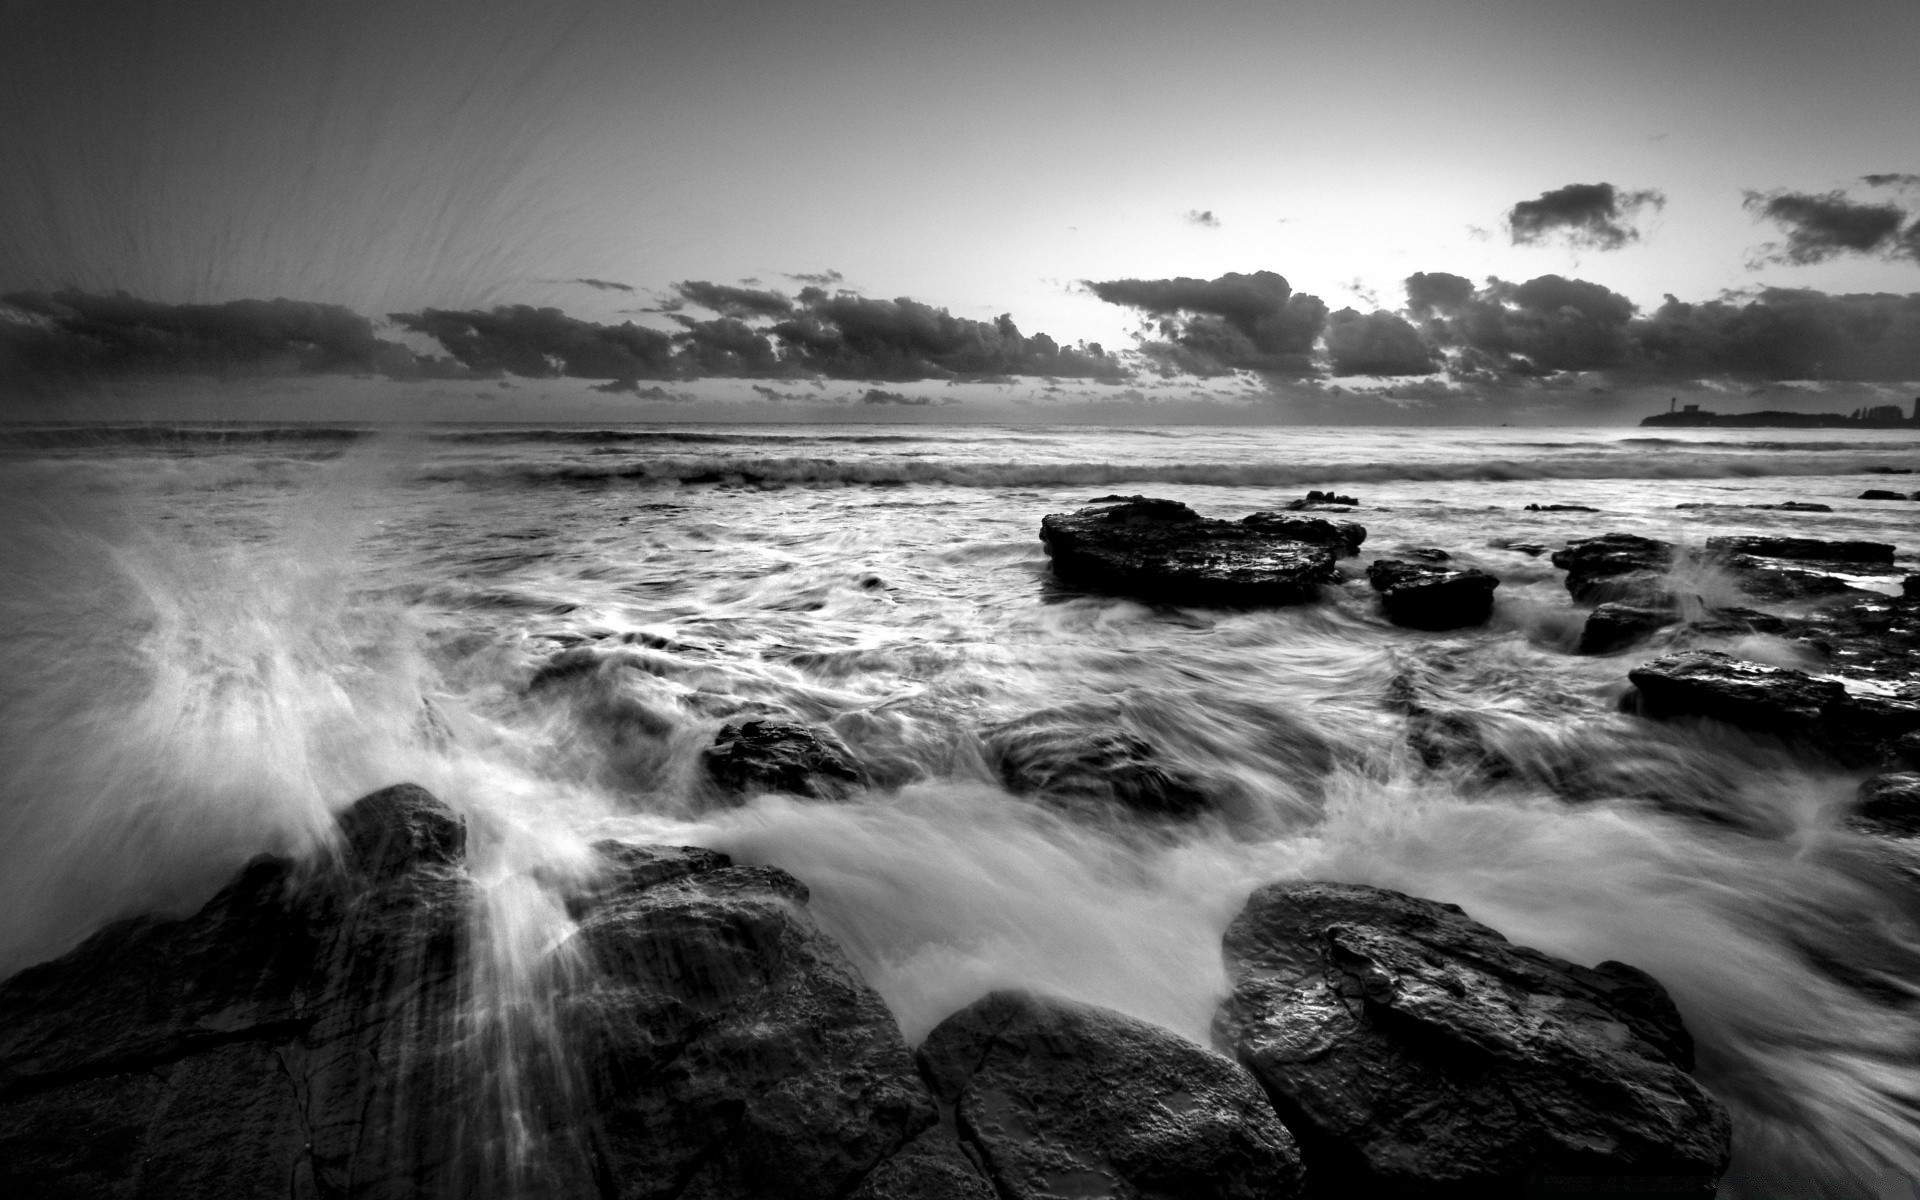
(1884,416)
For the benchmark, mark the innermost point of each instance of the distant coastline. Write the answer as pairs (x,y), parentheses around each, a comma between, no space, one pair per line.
(1885,416)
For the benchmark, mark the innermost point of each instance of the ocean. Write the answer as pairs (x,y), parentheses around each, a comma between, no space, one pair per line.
(215,637)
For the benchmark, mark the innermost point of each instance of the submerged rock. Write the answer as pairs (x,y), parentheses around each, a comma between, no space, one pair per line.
(1889,806)
(1882,494)
(1414,1051)
(1560,508)
(1064,1099)
(1162,550)
(1319,499)
(751,757)
(1425,596)
(1060,753)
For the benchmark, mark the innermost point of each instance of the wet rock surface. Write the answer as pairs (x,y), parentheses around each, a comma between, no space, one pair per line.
(1345,537)
(751,757)
(1614,625)
(1162,550)
(1426,596)
(1889,806)
(1063,1099)
(1708,683)
(1413,1051)
(1054,753)
(1616,566)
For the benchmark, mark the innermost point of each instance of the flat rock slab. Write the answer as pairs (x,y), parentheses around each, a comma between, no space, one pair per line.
(1415,1052)
(1614,625)
(1162,550)
(1066,1100)
(1427,596)
(1707,683)
(1804,549)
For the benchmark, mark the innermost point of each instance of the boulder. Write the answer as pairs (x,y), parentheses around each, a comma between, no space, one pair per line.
(1416,1052)
(1889,806)
(1345,537)
(1614,625)
(1063,754)
(729,1047)
(1063,1099)
(1707,683)
(298,1034)
(1616,566)
(1881,494)
(1425,596)
(1161,550)
(751,757)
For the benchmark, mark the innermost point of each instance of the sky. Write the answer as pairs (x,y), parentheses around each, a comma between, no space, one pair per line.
(985,157)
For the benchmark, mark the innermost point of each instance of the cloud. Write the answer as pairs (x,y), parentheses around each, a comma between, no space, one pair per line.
(1378,343)
(845,336)
(1827,225)
(632,387)
(725,346)
(876,396)
(823,279)
(1892,179)
(1206,219)
(1785,334)
(545,343)
(1236,322)
(1587,216)
(604,285)
(728,301)
(71,332)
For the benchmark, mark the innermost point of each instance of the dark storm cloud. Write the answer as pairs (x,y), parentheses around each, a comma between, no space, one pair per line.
(1785,333)
(1827,225)
(1591,216)
(61,333)
(1378,343)
(545,343)
(1544,326)
(1233,323)
(1892,179)
(726,346)
(845,336)
(1431,293)
(728,301)
(603,285)
(1204,219)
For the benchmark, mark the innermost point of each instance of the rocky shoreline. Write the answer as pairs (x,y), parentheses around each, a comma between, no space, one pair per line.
(314,1029)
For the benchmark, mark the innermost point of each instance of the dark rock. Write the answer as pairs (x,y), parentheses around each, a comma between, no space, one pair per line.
(1889,806)
(1432,554)
(1889,470)
(1910,587)
(1804,549)
(1063,1099)
(1061,753)
(1614,625)
(1317,499)
(1424,596)
(1413,1051)
(1560,508)
(1616,566)
(1707,683)
(930,1167)
(294,1035)
(1161,550)
(1530,549)
(1344,536)
(1881,494)
(731,1049)
(751,757)
(1800,506)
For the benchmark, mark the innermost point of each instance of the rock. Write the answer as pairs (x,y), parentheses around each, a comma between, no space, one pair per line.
(731,1050)
(1064,1099)
(1800,506)
(1910,587)
(1889,806)
(1161,550)
(1424,596)
(1707,683)
(930,1167)
(1345,537)
(1431,554)
(1317,499)
(1881,494)
(1889,470)
(1616,566)
(296,1034)
(1560,508)
(752,757)
(1413,1051)
(1614,625)
(1803,549)
(1064,753)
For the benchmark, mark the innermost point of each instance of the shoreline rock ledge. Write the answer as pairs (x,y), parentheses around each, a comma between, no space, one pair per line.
(1415,1052)
(1161,550)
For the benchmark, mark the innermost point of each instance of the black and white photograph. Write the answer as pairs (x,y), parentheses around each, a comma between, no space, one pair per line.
(959,599)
